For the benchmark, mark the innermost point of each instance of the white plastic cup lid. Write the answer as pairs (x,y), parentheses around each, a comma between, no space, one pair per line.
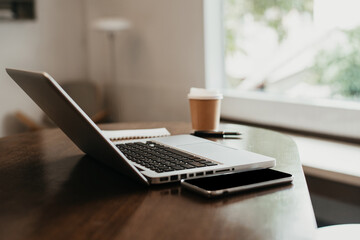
(202,93)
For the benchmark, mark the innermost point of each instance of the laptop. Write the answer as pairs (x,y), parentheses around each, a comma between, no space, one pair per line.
(149,161)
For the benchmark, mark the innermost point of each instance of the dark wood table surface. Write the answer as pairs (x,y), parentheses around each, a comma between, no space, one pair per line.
(50,190)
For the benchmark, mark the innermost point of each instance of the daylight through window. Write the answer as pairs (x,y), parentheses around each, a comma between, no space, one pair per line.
(306,49)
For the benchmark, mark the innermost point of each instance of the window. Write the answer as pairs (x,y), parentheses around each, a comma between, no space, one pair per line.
(289,63)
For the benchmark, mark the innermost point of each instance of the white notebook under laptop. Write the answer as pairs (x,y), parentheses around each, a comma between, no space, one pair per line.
(150,161)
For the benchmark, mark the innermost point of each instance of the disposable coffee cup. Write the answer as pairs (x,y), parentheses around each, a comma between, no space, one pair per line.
(205,108)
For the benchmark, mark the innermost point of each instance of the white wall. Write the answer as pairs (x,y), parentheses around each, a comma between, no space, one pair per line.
(54,42)
(159,58)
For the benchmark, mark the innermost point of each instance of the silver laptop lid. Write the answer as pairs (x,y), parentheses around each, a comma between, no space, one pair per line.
(72,120)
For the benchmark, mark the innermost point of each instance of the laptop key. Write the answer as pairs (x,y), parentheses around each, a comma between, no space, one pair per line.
(196,164)
(178,168)
(201,161)
(210,164)
(168,170)
(187,166)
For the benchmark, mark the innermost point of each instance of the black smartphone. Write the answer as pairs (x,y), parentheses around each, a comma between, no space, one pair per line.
(236,182)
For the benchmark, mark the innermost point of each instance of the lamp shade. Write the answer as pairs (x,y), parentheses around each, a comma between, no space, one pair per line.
(111,24)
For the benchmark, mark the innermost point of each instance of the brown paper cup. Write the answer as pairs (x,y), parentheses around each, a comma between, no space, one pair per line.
(205,113)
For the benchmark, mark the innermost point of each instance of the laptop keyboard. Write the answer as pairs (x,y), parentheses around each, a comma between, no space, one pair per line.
(160,158)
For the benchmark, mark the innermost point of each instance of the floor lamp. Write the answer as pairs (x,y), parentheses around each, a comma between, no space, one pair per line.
(111,26)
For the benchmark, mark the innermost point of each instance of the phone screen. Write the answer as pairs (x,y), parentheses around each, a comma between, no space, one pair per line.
(233,180)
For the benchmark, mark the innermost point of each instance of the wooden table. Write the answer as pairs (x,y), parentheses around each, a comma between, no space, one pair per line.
(50,190)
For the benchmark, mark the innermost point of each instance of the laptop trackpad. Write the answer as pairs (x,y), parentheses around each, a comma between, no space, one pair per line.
(222,154)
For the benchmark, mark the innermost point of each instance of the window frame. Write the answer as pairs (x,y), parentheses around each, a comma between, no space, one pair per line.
(318,116)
